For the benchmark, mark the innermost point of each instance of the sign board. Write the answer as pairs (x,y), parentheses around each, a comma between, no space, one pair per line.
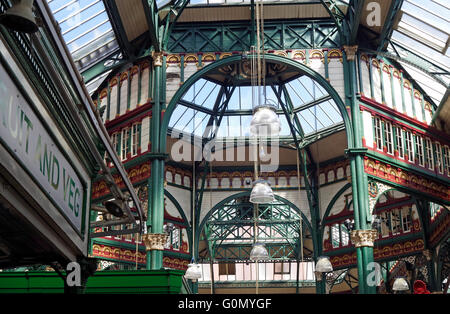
(32,144)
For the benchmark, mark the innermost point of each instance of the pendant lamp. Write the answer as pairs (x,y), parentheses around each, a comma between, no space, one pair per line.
(265,121)
(261,193)
(324,265)
(193,272)
(400,284)
(259,252)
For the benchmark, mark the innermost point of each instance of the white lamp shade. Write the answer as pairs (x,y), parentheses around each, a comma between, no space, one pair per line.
(400,284)
(265,122)
(324,265)
(261,193)
(259,252)
(193,272)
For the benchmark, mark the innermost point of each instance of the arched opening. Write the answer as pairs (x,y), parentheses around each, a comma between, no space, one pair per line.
(215,105)
(206,91)
(226,235)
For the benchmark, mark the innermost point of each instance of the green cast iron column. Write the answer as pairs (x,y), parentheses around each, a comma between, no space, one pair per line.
(364,254)
(156,220)
(351,103)
(359,255)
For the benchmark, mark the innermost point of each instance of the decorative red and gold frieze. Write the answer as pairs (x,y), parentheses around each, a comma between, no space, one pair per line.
(399,176)
(379,253)
(126,255)
(135,174)
(175,263)
(118,254)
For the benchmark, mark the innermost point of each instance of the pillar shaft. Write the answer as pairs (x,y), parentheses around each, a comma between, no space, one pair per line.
(359,178)
(155,221)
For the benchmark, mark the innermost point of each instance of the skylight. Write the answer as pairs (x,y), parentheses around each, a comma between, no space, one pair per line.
(86,29)
(424,30)
(313,107)
(234,2)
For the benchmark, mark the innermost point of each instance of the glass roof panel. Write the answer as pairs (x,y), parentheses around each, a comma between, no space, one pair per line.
(246,94)
(285,130)
(203,93)
(424,30)
(86,29)
(314,109)
(235,100)
(231,2)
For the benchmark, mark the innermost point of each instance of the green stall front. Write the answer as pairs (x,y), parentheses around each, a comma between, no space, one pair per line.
(164,281)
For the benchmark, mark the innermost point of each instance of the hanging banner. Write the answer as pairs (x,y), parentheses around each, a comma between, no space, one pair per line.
(30,142)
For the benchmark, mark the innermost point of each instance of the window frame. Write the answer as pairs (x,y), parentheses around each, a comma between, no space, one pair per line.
(135,134)
(125,143)
(396,221)
(446,159)
(399,140)
(378,133)
(406,219)
(388,137)
(335,234)
(420,154)
(439,157)
(429,158)
(409,146)
(385,228)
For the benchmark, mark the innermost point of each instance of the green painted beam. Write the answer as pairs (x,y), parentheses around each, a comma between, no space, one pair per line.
(355,11)
(387,30)
(101,67)
(237,36)
(152,23)
(332,7)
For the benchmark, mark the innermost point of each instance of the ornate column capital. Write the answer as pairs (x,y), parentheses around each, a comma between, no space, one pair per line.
(364,238)
(157,58)
(350,52)
(154,241)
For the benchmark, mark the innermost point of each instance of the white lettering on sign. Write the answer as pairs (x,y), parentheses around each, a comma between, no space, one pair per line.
(23,132)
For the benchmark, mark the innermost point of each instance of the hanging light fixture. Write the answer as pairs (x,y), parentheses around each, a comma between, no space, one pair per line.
(261,193)
(323,265)
(265,121)
(259,252)
(400,284)
(20,17)
(193,272)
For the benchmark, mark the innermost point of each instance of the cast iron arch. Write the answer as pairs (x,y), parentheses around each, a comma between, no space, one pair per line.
(330,206)
(238,195)
(183,215)
(179,208)
(268,57)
